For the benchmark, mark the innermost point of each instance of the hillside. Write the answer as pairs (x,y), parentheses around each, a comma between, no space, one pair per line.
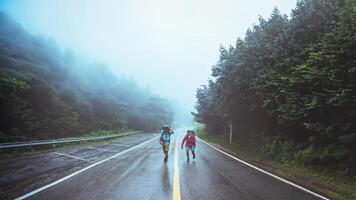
(289,87)
(46,92)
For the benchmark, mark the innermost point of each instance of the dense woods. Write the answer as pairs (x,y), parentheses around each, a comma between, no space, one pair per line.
(46,92)
(289,86)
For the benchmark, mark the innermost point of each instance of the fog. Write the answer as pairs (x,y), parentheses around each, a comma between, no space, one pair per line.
(168,46)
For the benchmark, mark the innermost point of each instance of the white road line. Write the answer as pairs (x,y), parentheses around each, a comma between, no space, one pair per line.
(170,146)
(176,184)
(62,154)
(80,171)
(265,172)
(100,149)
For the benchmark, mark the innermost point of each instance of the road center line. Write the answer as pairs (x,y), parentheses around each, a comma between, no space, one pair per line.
(80,171)
(176,185)
(265,172)
(62,154)
(170,146)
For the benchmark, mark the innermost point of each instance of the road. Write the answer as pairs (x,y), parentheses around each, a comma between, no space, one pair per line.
(134,169)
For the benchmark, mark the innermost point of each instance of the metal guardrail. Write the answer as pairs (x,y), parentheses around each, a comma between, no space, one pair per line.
(61,141)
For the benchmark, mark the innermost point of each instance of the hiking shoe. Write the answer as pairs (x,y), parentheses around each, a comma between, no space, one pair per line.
(166,159)
(194,157)
(188,160)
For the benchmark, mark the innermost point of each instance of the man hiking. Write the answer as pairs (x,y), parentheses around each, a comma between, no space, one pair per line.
(165,140)
(190,143)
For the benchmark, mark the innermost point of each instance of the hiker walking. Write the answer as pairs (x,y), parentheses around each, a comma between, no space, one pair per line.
(165,140)
(190,143)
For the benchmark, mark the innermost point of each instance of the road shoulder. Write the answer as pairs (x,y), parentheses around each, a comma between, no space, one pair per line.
(294,175)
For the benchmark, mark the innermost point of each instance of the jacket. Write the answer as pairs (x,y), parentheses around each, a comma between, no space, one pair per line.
(189,140)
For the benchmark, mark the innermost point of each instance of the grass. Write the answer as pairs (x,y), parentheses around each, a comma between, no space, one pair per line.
(331,185)
(26,151)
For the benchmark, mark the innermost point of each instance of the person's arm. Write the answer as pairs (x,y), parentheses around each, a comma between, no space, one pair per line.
(184,139)
(195,141)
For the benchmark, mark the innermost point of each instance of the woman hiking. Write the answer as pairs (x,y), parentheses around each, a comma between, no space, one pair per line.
(190,143)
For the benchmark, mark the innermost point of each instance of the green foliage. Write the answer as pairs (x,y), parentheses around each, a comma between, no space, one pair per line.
(14,83)
(280,157)
(292,79)
(47,93)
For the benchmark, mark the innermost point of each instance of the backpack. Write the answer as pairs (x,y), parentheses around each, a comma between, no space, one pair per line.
(167,139)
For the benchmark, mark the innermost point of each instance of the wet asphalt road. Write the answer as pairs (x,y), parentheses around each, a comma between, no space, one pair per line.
(142,174)
(24,174)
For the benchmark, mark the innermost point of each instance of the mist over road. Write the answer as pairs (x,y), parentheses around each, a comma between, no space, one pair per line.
(133,168)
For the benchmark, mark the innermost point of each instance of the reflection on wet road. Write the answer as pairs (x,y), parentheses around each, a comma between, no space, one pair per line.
(123,170)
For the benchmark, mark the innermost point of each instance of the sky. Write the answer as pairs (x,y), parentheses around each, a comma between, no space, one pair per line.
(166,45)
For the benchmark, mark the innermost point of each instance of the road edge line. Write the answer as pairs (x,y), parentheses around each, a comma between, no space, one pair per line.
(80,171)
(176,183)
(268,173)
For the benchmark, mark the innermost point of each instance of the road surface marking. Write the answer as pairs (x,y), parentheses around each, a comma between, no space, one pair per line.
(80,171)
(62,154)
(265,172)
(176,186)
(170,146)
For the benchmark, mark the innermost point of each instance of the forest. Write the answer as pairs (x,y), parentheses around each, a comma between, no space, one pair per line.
(289,87)
(48,92)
